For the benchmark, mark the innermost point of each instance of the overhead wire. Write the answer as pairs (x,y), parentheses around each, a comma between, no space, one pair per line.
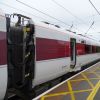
(94,7)
(68,11)
(44,13)
(71,26)
(90,27)
(21,10)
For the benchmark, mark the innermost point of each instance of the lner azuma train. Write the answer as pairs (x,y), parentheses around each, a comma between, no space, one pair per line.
(35,53)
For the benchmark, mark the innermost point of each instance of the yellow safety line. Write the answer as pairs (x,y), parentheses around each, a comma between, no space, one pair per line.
(64,93)
(56,94)
(42,98)
(90,83)
(71,90)
(82,91)
(82,79)
(93,93)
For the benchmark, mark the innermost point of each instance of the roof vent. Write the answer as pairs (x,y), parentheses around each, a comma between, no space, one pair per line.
(57,26)
(46,22)
(68,30)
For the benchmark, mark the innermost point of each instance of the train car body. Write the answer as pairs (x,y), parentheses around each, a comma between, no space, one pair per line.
(3,56)
(55,52)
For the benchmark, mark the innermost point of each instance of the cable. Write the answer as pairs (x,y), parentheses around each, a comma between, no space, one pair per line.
(42,12)
(90,27)
(71,26)
(21,10)
(94,7)
(68,11)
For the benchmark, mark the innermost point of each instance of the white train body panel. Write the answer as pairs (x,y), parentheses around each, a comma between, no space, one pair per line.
(3,56)
(50,69)
(3,81)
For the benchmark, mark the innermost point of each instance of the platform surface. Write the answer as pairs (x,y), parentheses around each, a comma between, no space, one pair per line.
(84,86)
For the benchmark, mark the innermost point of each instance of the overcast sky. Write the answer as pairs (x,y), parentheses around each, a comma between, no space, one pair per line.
(82,14)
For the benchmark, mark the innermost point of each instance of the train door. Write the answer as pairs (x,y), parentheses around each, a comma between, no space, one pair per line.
(72,52)
(21,55)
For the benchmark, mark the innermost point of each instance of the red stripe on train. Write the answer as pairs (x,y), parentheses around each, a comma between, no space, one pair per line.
(45,49)
(52,49)
(3,48)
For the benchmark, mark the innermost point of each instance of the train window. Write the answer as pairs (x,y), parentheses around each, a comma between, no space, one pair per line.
(93,49)
(88,49)
(83,41)
(97,49)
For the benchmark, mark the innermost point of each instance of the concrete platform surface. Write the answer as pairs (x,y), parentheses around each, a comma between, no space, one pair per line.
(84,86)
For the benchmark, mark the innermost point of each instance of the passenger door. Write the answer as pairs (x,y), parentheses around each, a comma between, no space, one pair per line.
(72,52)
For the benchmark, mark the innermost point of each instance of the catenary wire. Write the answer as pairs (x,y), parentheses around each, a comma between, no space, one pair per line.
(90,27)
(21,10)
(94,7)
(44,13)
(68,11)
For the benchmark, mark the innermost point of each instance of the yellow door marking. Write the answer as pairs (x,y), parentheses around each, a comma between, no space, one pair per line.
(93,93)
(77,80)
(88,90)
(90,83)
(71,90)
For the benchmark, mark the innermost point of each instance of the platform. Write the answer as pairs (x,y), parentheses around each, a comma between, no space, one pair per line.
(83,86)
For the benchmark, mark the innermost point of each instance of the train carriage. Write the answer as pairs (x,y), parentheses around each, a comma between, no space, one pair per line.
(58,50)
(35,53)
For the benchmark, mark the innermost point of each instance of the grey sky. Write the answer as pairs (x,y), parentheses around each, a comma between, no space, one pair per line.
(80,8)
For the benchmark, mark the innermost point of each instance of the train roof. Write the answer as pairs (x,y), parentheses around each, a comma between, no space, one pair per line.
(80,38)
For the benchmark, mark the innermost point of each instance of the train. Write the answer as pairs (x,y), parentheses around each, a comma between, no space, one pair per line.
(33,53)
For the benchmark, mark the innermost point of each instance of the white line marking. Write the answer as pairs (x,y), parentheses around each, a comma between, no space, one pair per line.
(62,83)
